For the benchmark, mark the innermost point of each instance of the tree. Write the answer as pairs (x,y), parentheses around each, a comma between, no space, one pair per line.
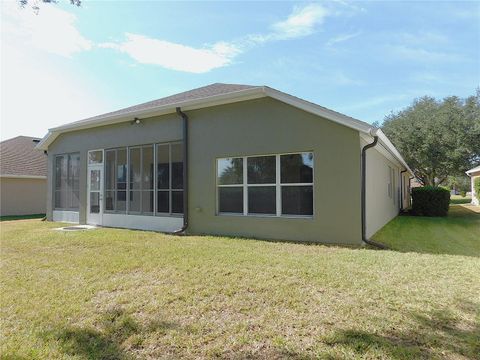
(437,138)
(460,183)
(36,7)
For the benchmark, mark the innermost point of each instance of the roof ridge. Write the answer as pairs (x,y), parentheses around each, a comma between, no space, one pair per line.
(21,136)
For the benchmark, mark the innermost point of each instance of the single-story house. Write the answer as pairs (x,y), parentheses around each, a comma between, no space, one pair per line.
(474,174)
(23,177)
(227,159)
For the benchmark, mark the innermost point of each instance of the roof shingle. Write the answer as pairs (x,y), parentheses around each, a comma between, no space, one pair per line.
(199,93)
(19,157)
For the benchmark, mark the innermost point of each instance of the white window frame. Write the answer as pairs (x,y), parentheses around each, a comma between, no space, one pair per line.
(278,187)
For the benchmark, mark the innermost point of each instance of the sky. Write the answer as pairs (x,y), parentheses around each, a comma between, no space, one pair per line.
(64,63)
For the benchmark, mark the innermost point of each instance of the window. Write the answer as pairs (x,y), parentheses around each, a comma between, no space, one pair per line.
(67,168)
(134,184)
(230,182)
(140,193)
(95,157)
(297,183)
(169,179)
(116,180)
(261,175)
(390,182)
(273,185)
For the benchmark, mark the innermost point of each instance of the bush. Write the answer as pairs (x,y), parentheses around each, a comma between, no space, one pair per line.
(476,187)
(463,193)
(430,201)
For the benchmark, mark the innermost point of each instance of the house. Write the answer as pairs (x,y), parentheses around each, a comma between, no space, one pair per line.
(227,159)
(474,174)
(23,177)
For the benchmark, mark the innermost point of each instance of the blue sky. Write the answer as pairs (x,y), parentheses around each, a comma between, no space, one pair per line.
(364,59)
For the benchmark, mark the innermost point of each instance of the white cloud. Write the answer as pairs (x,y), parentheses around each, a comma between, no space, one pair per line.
(422,38)
(53,30)
(300,23)
(422,55)
(40,90)
(145,50)
(342,38)
(174,56)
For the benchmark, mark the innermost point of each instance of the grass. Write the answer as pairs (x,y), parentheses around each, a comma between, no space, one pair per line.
(120,294)
(457,199)
(21,217)
(456,234)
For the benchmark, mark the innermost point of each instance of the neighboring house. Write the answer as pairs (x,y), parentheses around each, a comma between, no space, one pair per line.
(23,177)
(259,163)
(474,173)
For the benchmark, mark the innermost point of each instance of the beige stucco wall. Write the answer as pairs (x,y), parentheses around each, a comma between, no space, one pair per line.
(267,126)
(255,127)
(381,208)
(22,196)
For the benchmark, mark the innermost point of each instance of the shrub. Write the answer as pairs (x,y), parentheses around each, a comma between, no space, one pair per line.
(476,187)
(463,193)
(430,201)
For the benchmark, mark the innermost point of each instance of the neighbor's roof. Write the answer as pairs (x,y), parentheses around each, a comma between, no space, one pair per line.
(474,170)
(19,158)
(212,95)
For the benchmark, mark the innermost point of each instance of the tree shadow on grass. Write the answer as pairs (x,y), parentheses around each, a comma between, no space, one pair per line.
(115,334)
(438,334)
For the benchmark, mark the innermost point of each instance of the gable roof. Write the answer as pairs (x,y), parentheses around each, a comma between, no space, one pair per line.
(19,158)
(474,170)
(212,95)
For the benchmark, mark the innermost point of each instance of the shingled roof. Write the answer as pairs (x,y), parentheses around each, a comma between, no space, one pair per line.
(18,157)
(199,93)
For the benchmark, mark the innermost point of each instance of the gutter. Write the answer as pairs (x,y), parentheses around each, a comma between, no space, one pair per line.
(185,172)
(373,133)
(401,188)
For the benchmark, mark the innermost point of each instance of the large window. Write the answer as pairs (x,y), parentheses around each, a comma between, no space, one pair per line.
(67,168)
(169,179)
(116,180)
(272,185)
(135,185)
(140,192)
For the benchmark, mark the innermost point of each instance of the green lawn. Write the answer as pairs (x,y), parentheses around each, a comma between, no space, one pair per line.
(120,294)
(21,217)
(457,199)
(456,234)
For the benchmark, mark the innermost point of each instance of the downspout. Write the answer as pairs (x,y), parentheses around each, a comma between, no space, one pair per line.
(401,189)
(364,188)
(185,172)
